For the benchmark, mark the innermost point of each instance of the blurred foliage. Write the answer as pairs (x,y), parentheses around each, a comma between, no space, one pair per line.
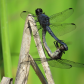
(15,28)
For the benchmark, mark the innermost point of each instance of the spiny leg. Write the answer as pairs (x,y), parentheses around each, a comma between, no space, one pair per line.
(56,44)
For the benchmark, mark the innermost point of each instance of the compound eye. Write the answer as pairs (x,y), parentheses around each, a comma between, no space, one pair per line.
(38,11)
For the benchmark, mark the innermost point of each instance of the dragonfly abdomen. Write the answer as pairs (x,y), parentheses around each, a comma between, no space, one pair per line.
(53,35)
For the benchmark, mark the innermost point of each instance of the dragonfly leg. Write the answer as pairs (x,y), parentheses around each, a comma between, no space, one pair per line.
(56,44)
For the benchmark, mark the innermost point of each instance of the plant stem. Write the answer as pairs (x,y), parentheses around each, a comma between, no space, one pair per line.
(5,40)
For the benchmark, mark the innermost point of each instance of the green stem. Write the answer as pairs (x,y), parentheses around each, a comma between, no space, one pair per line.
(5,41)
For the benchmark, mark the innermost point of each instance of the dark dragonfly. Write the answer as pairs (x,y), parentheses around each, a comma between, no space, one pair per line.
(52,23)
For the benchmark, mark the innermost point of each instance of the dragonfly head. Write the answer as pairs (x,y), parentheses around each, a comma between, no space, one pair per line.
(38,11)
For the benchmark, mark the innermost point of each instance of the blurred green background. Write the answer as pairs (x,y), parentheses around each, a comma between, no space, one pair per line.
(11,31)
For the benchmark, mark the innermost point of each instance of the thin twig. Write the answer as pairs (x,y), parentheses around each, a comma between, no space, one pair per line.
(23,69)
(40,49)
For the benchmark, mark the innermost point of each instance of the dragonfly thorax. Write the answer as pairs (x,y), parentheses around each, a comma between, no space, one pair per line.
(43,20)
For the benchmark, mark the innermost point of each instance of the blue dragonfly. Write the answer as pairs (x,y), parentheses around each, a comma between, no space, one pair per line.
(53,23)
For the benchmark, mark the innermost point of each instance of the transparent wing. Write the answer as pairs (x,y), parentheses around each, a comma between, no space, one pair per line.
(74,64)
(39,60)
(59,64)
(59,17)
(61,29)
(53,63)
(24,14)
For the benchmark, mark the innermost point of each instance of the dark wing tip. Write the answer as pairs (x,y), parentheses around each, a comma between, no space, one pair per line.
(70,8)
(24,11)
(72,23)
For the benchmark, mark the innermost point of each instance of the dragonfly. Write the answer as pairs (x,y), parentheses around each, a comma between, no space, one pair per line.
(53,23)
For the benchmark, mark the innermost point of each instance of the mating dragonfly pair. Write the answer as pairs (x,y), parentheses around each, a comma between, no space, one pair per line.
(52,24)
